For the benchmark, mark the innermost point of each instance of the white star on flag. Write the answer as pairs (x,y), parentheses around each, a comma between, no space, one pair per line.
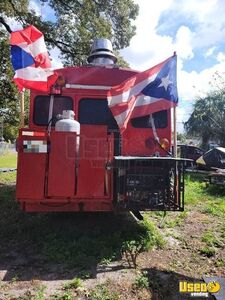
(165,82)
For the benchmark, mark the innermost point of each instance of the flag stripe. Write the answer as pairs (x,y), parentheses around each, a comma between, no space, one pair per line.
(28,35)
(140,111)
(40,85)
(30,60)
(36,47)
(147,92)
(36,74)
(136,79)
(125,95)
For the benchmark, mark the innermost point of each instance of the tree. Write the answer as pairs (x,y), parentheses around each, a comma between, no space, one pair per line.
(77,23)
(181,137)
(208,118)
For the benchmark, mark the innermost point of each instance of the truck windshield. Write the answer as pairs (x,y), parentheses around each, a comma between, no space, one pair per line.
(41,108)
(94,111)
(160,120)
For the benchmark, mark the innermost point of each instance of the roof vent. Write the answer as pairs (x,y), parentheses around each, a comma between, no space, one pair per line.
(102,53)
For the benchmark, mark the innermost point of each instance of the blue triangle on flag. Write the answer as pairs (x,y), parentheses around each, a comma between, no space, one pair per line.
(156,88)
(20,58)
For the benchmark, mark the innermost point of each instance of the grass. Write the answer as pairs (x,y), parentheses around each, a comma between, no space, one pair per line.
(84,240)
(208,251)
(208,200)
(141,281)
(102,292)
(73,284)
(40,293)
(81,241)
(7,177)
(8,160)
(211,198)
(75,240)
(212,240)
(194,189)
(63,296)
(175,221)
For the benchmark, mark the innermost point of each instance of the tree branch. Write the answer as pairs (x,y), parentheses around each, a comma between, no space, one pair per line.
(7,27)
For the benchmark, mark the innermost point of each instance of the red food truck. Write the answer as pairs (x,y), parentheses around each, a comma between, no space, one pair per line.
(73,157)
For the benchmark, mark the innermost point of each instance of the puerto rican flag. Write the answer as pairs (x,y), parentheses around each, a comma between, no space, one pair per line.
(30,60)
(145,93)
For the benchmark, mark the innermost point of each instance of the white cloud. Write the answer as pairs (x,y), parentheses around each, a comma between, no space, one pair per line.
(220,57)
(35,6)
(55,59)
(13,24)
(183,43)
(205,27)
(198,10)
(210,51)
(146,47)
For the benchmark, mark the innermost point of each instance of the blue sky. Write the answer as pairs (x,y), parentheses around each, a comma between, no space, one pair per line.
(195,29)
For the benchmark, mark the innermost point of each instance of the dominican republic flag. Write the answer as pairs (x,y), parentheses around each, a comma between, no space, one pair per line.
(30,60)
(145,93)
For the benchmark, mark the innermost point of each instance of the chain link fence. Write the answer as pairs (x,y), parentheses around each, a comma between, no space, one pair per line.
(6,147)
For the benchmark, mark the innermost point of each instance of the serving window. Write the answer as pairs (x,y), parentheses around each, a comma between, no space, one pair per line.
(41,108)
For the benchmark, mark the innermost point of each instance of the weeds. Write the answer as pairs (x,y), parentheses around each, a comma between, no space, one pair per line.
(219,263)
(15,278)
(208,251)
(141,281)
(7,177)
(149,238)
(212,240)
(73,284)
(65,296)
(173,222)
(215,209)
(131,250)
(102,292)
(40,293)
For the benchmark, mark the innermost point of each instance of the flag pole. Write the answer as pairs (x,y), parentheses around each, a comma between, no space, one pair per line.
(22,114)
(175,131)
(174,126)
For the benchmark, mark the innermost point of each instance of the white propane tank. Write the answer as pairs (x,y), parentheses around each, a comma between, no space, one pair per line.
(67,123)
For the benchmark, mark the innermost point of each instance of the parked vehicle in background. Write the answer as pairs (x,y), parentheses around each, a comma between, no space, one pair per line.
(189,152)
(212,146)
(212,159)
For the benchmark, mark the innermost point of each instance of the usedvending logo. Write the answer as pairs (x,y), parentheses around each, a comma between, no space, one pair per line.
(199,289)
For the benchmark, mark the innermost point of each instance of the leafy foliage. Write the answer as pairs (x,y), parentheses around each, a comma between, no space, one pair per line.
(87,20)
(141,281)
(75,25)
(148,237)
(208,118)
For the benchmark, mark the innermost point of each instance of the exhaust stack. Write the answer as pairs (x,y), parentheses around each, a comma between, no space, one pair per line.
(102,53)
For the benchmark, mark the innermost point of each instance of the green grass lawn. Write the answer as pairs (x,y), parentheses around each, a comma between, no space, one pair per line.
(8,160)
(210,198)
